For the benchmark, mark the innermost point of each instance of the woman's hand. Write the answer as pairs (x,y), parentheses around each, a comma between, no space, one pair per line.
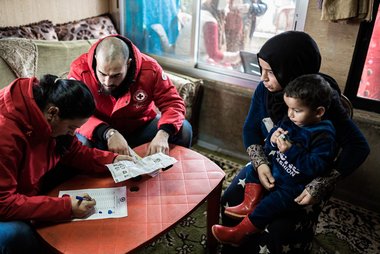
(82,208)
(305,198)
(265,176)
(117,143)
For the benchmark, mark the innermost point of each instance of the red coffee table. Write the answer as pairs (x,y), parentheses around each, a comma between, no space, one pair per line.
(155,205)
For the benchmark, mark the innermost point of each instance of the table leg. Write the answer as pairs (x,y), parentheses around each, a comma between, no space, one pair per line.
(213,209)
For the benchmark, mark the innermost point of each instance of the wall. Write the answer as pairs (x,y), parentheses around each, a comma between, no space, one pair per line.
(336,43)
(224,109)
(362,187)
(114,11)
(21,12)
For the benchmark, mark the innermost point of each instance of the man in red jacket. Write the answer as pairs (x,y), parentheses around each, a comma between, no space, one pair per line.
(128,88)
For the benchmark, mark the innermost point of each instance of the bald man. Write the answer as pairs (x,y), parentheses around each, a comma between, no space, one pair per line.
(129,87)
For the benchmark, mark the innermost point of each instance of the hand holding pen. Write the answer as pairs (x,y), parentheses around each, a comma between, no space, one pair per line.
(82,206)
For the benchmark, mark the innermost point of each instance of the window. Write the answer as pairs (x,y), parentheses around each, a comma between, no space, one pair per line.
(363,82)
(216,37)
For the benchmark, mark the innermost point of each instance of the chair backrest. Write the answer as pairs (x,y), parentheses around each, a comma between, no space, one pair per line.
(250,63)
(347,105)
(345,101)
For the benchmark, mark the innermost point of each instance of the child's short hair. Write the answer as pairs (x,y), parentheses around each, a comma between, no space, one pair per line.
(312,89)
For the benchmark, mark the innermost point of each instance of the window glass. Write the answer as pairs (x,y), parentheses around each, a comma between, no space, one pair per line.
(232,31)
(369,86)
(218,35)
(363,82)
(152,25)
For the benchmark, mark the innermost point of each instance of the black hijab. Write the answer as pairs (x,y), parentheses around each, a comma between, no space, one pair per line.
(290,55)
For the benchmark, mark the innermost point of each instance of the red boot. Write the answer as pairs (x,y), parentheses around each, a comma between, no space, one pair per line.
(234,235)
(252,196)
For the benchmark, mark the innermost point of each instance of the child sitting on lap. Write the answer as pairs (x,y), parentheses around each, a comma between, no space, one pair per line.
(301,147)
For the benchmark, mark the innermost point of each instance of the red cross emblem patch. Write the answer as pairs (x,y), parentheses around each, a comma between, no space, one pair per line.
(140,96)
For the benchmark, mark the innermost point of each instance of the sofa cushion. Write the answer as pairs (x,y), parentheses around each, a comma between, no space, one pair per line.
(55,57)
(6,74)
(84,29)
(190,89)
(26,58)
(43,30)
(20,55)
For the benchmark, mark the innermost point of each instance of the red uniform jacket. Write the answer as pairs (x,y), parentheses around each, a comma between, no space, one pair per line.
(149,88)
(27,152)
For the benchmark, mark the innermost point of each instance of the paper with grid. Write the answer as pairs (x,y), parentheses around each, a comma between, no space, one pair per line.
(110,202)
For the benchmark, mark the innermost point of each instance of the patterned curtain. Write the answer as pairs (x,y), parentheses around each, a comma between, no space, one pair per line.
(140,15)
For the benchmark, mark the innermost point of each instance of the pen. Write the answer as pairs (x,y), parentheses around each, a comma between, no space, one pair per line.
(83,198)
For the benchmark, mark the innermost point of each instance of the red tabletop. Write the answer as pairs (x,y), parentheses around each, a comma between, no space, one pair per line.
(155,205)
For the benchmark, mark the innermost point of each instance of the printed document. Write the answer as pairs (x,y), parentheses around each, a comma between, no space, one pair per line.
(151,165)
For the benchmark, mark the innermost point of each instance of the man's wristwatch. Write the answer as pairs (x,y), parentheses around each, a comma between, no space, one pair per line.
(110,133)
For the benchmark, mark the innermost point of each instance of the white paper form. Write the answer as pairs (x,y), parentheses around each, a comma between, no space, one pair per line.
(110,202)
(124,170)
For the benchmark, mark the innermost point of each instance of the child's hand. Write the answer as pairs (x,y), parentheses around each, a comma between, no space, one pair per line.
(277,134)
(283,144)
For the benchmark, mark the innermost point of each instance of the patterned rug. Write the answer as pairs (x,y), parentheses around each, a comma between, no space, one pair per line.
(343,227)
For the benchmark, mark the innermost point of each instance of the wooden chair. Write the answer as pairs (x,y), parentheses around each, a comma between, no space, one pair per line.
(347,104)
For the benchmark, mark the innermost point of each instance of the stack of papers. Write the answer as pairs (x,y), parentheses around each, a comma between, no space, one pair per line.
(124,170)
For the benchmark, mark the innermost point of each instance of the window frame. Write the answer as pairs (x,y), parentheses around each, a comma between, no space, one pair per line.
(357,65)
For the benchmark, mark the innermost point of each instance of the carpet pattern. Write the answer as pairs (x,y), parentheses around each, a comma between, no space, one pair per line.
(342,228)
(347,228)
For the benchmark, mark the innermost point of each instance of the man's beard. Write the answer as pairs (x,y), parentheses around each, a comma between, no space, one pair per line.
(116,91)
(104,91)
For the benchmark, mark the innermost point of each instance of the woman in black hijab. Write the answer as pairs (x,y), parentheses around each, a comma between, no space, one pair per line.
(283,58)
